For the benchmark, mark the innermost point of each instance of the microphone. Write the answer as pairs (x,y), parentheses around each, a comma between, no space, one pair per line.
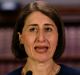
(29,73)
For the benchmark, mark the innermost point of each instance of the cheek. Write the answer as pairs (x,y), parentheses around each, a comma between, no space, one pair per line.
(27,44)
(28,41)
(53,41)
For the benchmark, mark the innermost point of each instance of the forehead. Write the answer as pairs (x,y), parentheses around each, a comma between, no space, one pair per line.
(37,17)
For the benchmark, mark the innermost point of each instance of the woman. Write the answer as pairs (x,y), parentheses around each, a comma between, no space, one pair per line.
(38,38)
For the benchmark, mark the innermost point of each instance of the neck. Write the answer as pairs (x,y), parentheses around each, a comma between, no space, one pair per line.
(40,68)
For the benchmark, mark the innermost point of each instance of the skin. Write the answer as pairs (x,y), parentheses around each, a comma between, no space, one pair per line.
(40,37)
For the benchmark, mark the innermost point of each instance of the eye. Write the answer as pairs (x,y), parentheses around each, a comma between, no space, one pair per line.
(48,29)
(32,29)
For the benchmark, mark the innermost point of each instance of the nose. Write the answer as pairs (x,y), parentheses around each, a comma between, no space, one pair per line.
(41,37)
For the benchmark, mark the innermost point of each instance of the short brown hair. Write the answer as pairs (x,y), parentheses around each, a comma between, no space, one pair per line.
(46,9)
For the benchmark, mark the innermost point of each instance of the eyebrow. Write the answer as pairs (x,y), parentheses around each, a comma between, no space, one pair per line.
(32,25)
(46,24)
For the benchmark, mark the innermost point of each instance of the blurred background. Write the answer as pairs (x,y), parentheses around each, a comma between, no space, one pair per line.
(69,10)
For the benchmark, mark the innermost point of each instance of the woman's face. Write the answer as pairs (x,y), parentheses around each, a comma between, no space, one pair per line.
(39,36)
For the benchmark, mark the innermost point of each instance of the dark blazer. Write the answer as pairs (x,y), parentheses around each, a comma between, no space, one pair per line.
(65,70)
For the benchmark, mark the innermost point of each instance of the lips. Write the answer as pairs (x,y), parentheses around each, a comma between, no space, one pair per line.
(41,49)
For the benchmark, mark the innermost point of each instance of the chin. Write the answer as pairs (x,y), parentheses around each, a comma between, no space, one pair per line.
(42,60)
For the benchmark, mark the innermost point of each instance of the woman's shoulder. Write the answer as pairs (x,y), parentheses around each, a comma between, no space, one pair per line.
(65,70)
(16,71)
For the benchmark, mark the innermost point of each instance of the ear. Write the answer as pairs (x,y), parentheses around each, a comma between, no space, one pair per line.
(20,38)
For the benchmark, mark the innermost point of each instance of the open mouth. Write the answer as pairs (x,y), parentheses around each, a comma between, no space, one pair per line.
(41,49)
